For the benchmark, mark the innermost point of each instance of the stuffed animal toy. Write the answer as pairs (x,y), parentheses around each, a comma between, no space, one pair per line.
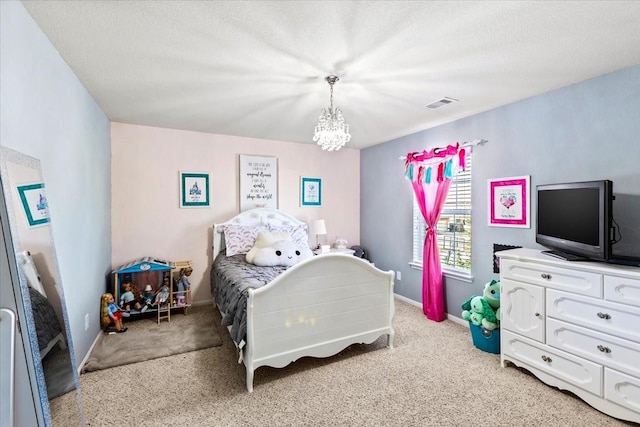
(282,252)
(264,240)
(478,311)
(491,293)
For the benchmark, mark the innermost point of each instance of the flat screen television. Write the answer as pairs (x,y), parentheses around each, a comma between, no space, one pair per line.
(574,219)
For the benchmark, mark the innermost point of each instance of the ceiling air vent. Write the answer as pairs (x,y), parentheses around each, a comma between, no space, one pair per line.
(439,103)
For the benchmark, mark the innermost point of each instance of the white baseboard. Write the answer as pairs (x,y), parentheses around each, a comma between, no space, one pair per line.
(458,320)
(86,356)
(451,317)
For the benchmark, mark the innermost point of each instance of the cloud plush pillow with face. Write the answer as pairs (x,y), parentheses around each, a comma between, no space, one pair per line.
(264,240)
(282,252)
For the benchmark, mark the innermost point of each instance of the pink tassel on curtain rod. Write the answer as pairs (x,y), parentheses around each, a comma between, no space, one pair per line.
(462,159)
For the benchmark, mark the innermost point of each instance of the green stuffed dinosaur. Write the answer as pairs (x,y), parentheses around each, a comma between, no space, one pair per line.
(478,311)
(491,293)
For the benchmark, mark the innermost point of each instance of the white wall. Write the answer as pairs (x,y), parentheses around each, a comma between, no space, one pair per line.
(46,113)
(147,220)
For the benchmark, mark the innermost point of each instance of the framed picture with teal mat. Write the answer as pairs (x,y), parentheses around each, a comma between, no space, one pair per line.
(310,191)
(34,204)
(194,190)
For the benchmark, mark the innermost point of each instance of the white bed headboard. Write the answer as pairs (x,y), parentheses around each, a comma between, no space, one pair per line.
(258,216)
(30,271)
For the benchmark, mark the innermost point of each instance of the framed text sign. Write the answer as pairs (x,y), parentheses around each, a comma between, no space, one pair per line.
(258,182)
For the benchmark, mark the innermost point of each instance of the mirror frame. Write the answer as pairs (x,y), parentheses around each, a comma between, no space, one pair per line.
(7,156)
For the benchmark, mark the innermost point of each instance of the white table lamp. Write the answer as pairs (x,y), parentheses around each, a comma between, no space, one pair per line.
(317,227)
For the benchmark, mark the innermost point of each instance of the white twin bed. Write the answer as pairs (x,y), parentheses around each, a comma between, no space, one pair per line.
(48,328)
(316,308)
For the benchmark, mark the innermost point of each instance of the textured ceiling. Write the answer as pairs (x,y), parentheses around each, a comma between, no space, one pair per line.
(257,68)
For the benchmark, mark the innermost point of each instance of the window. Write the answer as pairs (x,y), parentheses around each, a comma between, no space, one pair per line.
(454,227)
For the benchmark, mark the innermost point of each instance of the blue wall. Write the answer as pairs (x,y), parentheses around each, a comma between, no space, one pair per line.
(587,131)
(48,114)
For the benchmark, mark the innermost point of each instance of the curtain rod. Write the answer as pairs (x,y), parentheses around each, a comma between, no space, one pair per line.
(464,144)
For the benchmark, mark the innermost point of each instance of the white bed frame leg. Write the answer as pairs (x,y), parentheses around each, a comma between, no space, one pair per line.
(62,343)
(249,379)
(390,340)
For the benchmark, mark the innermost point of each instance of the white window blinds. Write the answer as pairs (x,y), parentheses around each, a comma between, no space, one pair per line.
(454,227)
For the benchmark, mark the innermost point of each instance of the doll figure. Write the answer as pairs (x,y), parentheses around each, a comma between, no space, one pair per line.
(182,286)
(162,294)
(128,299)
(110,312)
(147,298)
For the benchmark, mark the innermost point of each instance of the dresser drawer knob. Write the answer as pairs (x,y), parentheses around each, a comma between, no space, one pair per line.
(604,349)
(546,276)
(604,315)
(537,314)
(546,358)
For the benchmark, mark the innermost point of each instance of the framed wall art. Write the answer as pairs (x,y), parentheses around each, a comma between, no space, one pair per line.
(310,191)
(258,182)
(34,204)
(509,203)
(194,190)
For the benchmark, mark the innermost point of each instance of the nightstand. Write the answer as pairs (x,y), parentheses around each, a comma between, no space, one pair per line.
(334,251)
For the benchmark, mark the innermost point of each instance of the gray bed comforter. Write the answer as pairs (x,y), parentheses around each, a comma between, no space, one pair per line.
(45,318)
(231,278)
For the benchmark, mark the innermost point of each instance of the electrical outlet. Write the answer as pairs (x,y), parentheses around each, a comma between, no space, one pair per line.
(398,275)
(86,322)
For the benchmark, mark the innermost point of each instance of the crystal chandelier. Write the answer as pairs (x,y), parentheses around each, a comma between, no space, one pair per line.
(331,131)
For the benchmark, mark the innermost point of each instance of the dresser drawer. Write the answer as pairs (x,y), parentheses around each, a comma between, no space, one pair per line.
(622,289)
(579,282)
(617,353)
(623,390)
(572,369)
(608,317)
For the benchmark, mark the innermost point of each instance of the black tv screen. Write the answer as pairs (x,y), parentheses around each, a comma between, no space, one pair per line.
(575,218)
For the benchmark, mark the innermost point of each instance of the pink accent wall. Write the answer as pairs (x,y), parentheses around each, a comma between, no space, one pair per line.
(147,219)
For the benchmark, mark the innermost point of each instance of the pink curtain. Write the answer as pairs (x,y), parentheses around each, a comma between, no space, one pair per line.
(430,174)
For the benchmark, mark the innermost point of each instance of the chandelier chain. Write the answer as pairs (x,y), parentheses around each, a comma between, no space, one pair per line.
(331,97)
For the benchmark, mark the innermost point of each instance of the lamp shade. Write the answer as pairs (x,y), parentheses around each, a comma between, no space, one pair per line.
(317,227)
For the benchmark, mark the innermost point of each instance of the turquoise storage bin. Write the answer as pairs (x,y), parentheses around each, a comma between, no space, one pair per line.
(485,339)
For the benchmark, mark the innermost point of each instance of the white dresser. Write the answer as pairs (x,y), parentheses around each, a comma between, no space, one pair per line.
(575,326)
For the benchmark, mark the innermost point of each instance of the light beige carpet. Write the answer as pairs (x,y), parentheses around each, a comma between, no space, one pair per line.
(145,339)
(433,377)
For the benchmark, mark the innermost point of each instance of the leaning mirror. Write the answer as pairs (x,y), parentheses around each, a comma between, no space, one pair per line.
(40,290)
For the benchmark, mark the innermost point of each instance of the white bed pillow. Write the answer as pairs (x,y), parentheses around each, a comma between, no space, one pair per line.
(263,240)
(298,233)
(239,239)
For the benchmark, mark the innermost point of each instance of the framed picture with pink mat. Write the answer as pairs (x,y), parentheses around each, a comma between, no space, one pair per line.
(509,202)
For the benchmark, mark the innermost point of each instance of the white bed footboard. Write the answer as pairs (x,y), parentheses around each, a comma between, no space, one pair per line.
(317,308)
